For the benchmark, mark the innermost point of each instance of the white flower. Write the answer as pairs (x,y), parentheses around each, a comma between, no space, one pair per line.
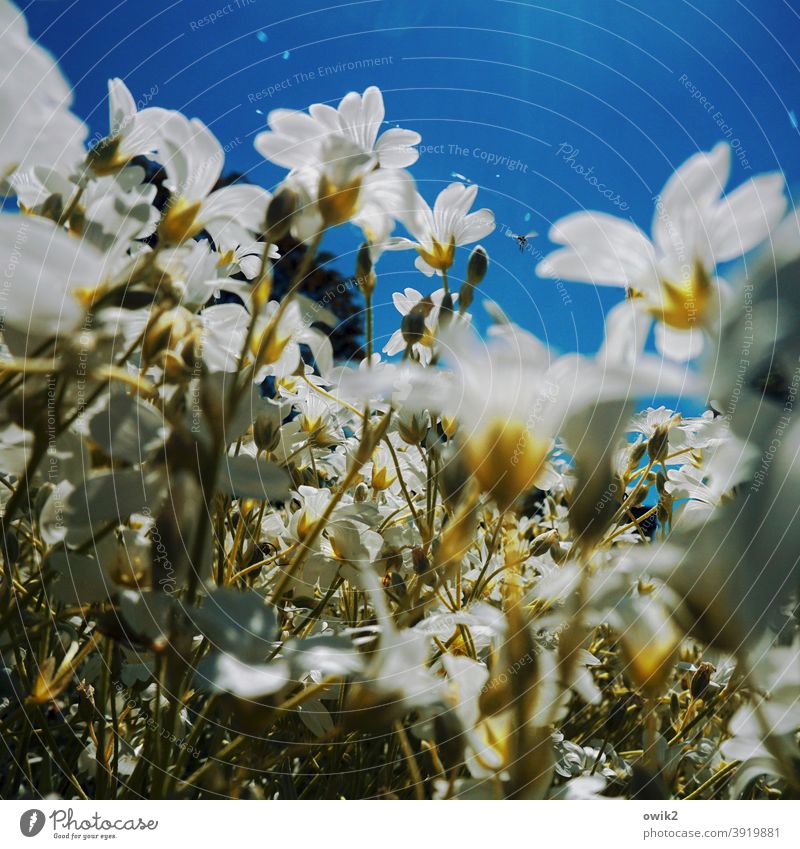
(36,125)
(295,138)
(342,184)
(672,278)
(51,275)
(131,132)
(200,273)
(341,168)
(277,337)
(404,303)
(193,160)
(505,400)
(438,232)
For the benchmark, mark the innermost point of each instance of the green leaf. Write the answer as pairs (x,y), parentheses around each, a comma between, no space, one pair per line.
(246,477)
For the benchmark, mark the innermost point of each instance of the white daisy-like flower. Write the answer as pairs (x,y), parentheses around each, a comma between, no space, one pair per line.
(341,167)
(294,139)
(439,231)
(132,132)
(404,303)
(672,278)
(193,160)
(51,276)
(343,183)
(36,124)
(277,337)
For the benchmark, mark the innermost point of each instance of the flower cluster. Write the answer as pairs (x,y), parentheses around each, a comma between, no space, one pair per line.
(466,567)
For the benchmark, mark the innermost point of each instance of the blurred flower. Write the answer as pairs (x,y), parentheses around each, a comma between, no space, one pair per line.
(672,279)
(36,125)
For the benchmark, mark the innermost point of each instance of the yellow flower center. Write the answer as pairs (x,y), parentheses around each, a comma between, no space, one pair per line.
(505,458)
(439,256)
(226,258)
(338,204)
(684,305)
(268,347)
(382,477)
(180,221)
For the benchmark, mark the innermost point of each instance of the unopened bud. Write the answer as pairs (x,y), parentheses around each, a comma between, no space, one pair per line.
(477,266)
(618,714)
(419,561)
(446,310)
(637,452)
(544,542)
(674,709)
(412,326)
(658,445)
(280,212)
(466,295)
(364,271)
(701,679)
(266,432)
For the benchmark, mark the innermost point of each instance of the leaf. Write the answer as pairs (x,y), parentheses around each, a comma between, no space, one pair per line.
(237,623)
(147,614)
(246,477)
(223,673)
(315,716)
(127,429)
(103,497)
(79,579)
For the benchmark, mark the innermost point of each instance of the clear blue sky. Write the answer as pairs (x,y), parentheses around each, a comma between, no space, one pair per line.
(619,82)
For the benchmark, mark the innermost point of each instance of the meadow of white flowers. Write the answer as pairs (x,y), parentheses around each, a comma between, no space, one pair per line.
(464,567)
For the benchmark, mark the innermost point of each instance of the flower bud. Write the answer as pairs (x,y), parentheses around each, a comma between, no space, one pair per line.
(544,542)
(412,326)
(658,446)
(465,297)
(266,432)
(618,714)
(477,266)
(419,561)
(364,270)
(637,452)
(280,212)
(446,310)
(701,679)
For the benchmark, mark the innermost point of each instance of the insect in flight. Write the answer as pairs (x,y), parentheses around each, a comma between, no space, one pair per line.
(522,241)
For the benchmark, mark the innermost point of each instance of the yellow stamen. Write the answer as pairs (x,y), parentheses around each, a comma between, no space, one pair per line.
(180,221)
(440,256)
(684,305)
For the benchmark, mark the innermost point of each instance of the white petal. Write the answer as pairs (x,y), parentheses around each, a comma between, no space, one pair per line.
(688,193)
(121,105)
(745,217)
(43,264)
(395,148)
(680,345)
(601,249)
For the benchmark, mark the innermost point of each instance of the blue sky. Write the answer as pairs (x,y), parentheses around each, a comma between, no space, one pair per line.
(521,98)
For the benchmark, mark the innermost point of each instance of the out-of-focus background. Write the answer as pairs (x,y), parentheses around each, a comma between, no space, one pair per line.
(549,107)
